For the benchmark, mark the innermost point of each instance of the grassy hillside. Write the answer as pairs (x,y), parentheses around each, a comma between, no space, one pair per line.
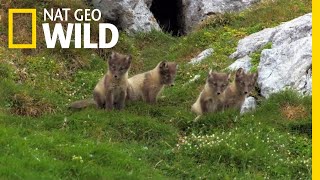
(42,139)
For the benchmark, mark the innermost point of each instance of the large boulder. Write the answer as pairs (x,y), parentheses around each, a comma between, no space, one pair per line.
(130,15)
(253,43)
(288,64)
(196,11)
(283,34)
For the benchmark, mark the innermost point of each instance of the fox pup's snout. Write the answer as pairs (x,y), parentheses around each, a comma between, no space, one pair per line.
(245,82)
(119,65)
(218,82)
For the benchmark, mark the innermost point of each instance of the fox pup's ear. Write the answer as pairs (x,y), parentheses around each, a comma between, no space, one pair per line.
(112,55)
(213,74)
(176,65)
(239,72)
(254,77)
(163,65)
(210,74)
(172,66)
(129,59)
(229,77)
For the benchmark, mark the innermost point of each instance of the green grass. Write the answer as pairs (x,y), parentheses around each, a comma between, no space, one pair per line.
(42,139)
(255,57)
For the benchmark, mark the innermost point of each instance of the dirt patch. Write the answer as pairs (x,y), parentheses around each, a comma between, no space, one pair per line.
(25,105)
(293,112)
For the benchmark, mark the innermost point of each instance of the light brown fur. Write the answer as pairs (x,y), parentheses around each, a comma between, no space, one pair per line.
(147,86)
(83,104)
(111,90)
(234,96)
(208,99)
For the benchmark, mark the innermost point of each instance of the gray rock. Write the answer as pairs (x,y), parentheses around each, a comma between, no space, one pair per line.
(307,87)
(244,63)
(253,42)
(195,78)
(129,15)
(288,63)
(196,11)
(286,66)
(203,55)
(293,30)
(248,105)
(282,34)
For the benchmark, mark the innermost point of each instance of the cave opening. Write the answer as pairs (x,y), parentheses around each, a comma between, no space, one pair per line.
(169,15)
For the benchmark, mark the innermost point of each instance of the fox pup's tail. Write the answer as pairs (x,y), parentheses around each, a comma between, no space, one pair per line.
(82,104)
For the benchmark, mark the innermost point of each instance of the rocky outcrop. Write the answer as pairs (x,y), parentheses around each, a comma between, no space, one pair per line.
(130,15)
(253,43)
(286,66)
(288,63)
(196,11)
(136,16)
(202,56)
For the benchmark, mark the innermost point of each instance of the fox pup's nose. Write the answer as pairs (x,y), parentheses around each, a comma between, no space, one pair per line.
(171,85)
(246,92)
(218,93)
(115,76)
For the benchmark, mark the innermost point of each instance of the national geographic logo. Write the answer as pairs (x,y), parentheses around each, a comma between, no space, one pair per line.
(33,13)
(80,31)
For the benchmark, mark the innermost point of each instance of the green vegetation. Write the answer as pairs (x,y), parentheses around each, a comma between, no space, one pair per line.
(42,139)
(255,57)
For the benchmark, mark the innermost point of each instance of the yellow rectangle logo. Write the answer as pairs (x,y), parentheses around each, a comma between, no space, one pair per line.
(34,28)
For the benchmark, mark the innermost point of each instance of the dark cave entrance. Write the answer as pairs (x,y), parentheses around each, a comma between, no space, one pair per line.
(169,15)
